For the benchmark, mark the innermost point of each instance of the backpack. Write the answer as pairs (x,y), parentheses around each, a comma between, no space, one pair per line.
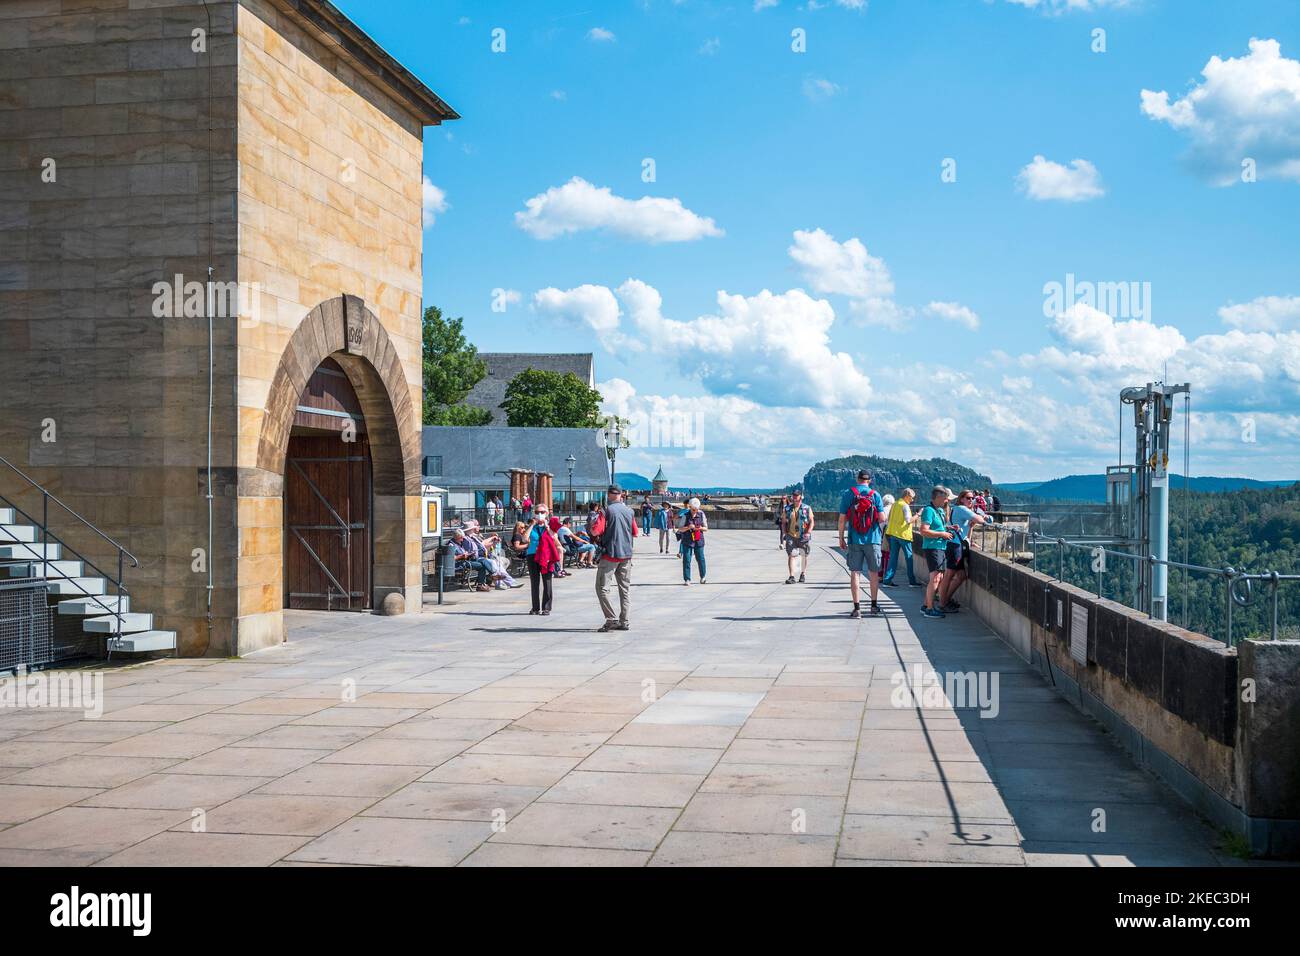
(803,517)
(864,516)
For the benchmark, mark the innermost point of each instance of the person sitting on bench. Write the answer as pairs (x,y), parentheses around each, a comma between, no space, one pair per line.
(472,554)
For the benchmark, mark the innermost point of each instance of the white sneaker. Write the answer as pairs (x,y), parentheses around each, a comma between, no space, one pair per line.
(687,583)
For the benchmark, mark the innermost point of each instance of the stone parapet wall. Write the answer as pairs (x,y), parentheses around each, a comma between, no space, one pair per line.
(1176,699)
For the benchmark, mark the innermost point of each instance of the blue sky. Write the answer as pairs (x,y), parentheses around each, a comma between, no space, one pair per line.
(906,315)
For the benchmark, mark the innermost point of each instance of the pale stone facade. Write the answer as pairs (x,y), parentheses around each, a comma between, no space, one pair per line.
(278,147)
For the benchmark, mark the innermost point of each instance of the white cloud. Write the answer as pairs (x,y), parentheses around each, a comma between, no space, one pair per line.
(587,306)
(1044,179)
(954,312)
(848,269)
(1235,370)
(559,95)
(433,202)
(1268,313)
(840,268)
(578,206)
(814,4)
(818,88)
(600,35)
(1055,415)
(1246,108)
(710,46)
(1062,6)
(774,346)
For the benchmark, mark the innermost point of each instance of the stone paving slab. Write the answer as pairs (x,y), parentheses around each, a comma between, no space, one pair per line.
(584,825)
(376,841)
(206,849)
(744,722)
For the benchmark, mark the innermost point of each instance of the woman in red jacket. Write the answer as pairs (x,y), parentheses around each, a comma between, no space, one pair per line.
(544,561)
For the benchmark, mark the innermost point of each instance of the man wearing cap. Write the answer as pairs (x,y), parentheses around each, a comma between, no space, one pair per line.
(616,541)
(862,514)
(468,551)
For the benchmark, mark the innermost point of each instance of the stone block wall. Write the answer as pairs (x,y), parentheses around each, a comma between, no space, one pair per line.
(142,141)
(117,172)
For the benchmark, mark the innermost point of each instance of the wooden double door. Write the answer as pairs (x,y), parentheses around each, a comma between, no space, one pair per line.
(327,523)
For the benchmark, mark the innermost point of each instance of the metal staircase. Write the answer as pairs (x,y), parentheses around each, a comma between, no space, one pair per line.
(30,550)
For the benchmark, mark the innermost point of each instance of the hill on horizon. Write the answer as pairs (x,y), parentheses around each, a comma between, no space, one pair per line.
(1092,488)
(825,481)
(633,481)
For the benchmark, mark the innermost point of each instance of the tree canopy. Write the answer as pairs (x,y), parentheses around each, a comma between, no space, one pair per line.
(536,398)
(451,368)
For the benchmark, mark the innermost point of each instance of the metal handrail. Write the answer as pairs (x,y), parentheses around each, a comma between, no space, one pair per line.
(47,536)
(1232,577)
(50,496)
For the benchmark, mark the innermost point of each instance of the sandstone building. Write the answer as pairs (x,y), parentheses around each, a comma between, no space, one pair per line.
(210,301)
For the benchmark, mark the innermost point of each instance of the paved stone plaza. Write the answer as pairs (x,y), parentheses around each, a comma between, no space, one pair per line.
(739,722)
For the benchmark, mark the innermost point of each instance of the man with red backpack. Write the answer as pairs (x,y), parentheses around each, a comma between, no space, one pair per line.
(862,518)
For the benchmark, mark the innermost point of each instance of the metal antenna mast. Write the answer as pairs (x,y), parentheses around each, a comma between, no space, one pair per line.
(1153,412)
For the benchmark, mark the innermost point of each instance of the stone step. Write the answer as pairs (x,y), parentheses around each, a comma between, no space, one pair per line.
(132,623)
(8,516)
(76,586)
(42,569)
(143,641)
(95,606)
(17,532)
(26,551)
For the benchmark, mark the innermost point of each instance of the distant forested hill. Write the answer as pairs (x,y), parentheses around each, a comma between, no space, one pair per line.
(1254,529)
(631,481)
(825,481)
(1092,488)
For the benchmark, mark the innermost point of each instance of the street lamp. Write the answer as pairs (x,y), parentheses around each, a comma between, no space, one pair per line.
(571,461)
(614,440)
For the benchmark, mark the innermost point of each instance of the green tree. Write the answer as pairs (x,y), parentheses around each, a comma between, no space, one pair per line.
(540,399)
(451,368)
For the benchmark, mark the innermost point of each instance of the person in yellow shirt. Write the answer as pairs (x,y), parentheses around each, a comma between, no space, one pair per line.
(899,532)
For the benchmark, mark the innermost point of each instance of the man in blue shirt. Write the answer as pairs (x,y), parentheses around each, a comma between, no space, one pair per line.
(862,517)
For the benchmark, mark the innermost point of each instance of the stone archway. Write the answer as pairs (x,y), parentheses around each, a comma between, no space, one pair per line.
(344,330)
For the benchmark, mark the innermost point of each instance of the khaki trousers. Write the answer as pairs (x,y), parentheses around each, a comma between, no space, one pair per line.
(621,571)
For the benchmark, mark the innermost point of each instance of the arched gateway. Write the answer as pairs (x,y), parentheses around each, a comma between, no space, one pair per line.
(342,434)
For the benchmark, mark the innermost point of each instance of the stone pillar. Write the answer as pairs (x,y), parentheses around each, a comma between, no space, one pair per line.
(1268,744)
(545,493)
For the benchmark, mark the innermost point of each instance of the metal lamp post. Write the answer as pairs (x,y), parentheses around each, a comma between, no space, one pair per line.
(613,438)
(571,461)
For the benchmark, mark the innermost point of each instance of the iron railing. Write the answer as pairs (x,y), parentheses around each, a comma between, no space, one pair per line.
(26,624)
(1239,587)
(49,537)
(500,520)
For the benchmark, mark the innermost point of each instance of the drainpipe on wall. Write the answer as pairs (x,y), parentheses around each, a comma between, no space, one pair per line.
(211,348)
